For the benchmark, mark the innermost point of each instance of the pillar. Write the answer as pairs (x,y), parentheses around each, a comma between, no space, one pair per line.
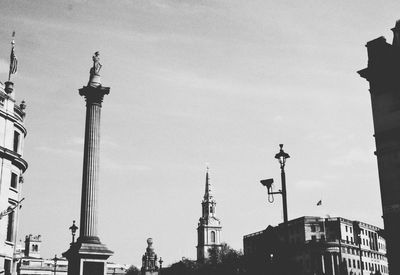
(91,157)
(88,256)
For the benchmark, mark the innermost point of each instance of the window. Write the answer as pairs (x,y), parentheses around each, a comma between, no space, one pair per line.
(314,238)
(212,209)
(351,230)
(313,229)
(10,227)
(14,180)
(7,267)
(16,141)
(212,236)
(321,226)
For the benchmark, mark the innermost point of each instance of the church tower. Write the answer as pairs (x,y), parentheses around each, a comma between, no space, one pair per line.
(209,228)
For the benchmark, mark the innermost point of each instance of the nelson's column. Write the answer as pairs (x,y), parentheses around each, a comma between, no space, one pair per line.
(88,256)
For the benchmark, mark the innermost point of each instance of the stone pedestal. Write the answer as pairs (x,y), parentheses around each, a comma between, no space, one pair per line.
(149,260)
(88,256)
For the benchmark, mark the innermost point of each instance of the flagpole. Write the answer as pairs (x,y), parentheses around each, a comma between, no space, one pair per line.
(12,68)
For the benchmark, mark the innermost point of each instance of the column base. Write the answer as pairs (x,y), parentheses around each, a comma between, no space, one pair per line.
(87,258)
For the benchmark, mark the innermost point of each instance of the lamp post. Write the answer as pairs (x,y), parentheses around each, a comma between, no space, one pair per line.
(160,262)
(73,229)
(282,156)
(55,259)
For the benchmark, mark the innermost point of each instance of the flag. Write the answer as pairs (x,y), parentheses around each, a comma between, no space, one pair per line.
(319,203)
(13,59)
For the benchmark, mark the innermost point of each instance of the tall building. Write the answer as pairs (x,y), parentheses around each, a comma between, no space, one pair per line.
(383,74)
(31,263)
(12,167)
(209,227)
(32,246)
(316,245)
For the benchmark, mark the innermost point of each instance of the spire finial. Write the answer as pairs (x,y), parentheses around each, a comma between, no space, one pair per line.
(207,193)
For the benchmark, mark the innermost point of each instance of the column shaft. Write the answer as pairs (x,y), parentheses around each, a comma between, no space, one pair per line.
(88,224)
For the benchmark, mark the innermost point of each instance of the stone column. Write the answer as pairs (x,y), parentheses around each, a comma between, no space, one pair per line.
(91,158)
(88,256)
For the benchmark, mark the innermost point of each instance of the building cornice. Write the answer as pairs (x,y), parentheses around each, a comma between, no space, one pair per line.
(16,119)
(14,157)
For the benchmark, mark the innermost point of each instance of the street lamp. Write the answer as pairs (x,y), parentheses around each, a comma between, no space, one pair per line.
(55,259)
(282,156)
(73,229)
(160,262)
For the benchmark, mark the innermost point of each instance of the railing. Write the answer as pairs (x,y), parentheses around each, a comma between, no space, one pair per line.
(19,112)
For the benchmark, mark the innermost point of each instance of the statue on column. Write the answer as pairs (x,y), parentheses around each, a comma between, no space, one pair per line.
(94,79)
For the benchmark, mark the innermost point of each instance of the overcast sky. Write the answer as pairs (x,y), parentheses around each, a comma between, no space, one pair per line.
(195,82)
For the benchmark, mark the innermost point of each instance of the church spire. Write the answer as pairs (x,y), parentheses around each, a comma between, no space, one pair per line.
(207,193)
(209,227)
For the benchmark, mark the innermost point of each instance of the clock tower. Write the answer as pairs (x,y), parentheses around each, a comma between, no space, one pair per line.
(209,228)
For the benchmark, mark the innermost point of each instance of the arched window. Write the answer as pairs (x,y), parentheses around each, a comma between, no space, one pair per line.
(212,236)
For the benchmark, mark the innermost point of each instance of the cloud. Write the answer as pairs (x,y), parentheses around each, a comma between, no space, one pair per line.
(352,156)
(110,164)
(278,118)
(3,66)
(58,151)
(76,141)
(193,80)
(310,184)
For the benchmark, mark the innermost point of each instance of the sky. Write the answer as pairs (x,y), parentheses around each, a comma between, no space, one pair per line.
(195,82)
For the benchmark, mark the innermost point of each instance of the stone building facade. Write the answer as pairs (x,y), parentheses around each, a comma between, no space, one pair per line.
(209,227)
(316,245)
(12,167)
(383,74)
(30,261)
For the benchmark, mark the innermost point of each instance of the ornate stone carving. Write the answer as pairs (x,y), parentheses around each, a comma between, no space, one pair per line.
(149,259)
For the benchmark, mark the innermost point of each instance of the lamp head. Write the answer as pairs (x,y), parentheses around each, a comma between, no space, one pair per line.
(73,228)
(267,183)
(282,155)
